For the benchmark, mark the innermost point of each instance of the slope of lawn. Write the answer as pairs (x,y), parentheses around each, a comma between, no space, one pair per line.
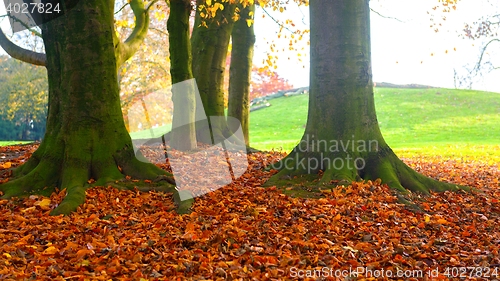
(4,143)
(151,133)
(415,122)
(458,123)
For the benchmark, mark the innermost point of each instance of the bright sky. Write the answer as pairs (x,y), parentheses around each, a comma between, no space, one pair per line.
(401,51)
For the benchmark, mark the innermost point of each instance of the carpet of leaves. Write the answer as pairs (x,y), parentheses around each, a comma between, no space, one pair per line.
(245,232)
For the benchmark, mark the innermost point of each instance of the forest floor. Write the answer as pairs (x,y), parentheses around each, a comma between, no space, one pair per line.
(245,232)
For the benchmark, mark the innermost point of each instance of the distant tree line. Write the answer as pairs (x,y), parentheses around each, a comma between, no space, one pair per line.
(23,100)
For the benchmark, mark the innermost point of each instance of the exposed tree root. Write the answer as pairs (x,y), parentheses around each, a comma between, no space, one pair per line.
(251,150)
(42,173)
(340,168)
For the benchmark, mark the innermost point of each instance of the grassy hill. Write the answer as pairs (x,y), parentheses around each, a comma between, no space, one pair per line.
(413,121)
(436,122)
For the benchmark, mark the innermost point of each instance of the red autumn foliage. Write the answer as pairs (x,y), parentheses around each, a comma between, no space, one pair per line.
(264,81)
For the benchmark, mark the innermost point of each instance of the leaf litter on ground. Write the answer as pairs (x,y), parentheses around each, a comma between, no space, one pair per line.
(245,232)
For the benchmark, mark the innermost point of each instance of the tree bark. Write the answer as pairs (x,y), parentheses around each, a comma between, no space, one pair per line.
(243,40)
(183,136)
(210,45)
(86,136)
(342,137)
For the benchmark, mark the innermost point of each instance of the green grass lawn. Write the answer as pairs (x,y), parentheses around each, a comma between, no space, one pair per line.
(434,122)
(5,143)
(151,133)
(450,123)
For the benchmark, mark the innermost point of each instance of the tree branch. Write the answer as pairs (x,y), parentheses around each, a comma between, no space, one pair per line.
(483,51)
(159,31)
(35,32)
(157,64)
(125,50)
(119,10)
(386,17)
(20,53)
(276,21)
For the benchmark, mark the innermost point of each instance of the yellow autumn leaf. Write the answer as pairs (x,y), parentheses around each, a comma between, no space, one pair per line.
(50,251)
(209,2)
(427,218)
(28,209)
(43,203)
(282,9)
(249,22)
(219,6)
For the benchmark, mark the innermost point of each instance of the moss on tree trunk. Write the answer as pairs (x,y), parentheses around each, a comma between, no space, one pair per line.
(243,39)
(183,135)
(86,136)
(342,137)
(210,45)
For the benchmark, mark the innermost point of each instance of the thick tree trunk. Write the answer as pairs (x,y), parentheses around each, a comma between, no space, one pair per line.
(183,135)
(86,136)
(243,40)
(210,45)
(342,136)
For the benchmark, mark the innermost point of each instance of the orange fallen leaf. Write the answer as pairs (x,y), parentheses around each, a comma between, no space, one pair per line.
(83,252)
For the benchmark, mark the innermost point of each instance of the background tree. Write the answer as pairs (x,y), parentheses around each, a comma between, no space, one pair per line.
(183,135)
(23,87)
(210,41)
(23,94)
(342,141)
(487,27)
(86,136)
(243,40)
(266,81)
(146,72)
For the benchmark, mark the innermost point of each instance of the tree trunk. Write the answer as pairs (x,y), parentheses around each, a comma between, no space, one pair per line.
(243,39)
(86,136)
(342,137)
(210,45)
(183,135)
